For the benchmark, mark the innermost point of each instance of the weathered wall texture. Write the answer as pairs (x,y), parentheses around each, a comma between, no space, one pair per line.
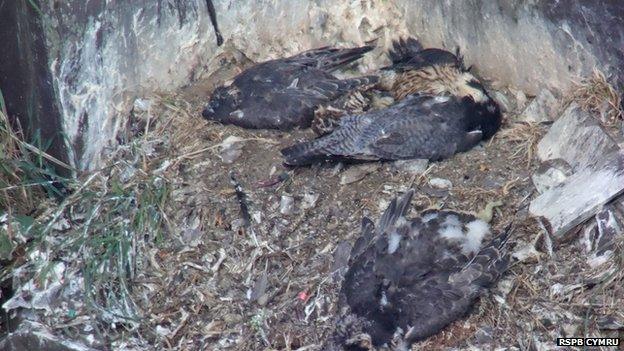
(104,53)
(107,52)
(528,44)
(25,80)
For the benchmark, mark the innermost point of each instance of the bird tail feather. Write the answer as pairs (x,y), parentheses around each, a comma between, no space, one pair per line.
(366,236)
(397,209)
(307,153)
(404,49)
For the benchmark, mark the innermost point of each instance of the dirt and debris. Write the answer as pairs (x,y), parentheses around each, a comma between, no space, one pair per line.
(195,236)
(542,109)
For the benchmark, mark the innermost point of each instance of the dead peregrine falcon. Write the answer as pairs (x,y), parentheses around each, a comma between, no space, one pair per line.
(413,70)
(283,93)
(409,278)
(420,126)
(418,70)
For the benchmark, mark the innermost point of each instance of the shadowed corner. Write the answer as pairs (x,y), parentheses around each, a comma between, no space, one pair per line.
(213,19)
(25,78)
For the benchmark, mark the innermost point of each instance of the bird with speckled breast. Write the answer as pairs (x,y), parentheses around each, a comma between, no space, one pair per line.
(283,93)
(409,278)
(414,69)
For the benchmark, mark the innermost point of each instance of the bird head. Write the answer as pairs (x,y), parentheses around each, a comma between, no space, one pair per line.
(468,85)
(484,112)
(223,102)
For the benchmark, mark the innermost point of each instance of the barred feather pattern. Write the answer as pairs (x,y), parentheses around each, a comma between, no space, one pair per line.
(437,80)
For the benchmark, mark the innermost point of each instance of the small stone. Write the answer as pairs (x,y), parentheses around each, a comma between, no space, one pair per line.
(521,98)
(357,173)
(570,330)
(542,109)
(259,288)
(142,104)
(502,101)
(263,299)
(231,149)
(162,331)
(526,252)
(257,217)
(550,174)
(440,183)
(417,166)
(309,200)
(192,236)
(287,205)
(556,289)
(484,335)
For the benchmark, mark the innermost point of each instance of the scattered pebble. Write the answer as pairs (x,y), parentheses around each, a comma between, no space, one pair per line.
(521,98)
(309,200)
(502,101)
(287,205)
(356,173)
(231,149)
(526,252)
(440,183)
(417,166)
(257,217)
(542,109)
(341,256)
(142,105)
(484,335)
(550,174)
(162,331)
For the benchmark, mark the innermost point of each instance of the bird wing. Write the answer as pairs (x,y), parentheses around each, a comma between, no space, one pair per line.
(429,306)
(363,279)
(415,127)
(444,298)
(426,58)
(421,134)
(404,49)
(330,58)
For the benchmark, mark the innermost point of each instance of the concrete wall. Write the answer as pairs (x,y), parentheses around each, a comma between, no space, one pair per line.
(25,79)
(104,53)
(527,44)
